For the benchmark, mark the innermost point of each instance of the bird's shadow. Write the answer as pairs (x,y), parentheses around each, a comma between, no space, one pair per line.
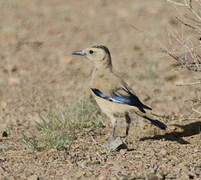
(188,130)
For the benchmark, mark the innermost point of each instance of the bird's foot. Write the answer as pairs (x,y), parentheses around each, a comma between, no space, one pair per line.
(116,144)
(124,137)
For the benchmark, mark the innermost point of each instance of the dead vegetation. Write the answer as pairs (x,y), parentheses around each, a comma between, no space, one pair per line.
(60,126)
(190,58)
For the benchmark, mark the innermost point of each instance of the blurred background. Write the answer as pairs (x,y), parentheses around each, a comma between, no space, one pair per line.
(37,38)
(37,69)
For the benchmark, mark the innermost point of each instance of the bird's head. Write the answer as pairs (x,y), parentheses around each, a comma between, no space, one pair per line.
(99,55)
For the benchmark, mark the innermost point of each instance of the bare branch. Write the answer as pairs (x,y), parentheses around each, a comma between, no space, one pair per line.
(195,13)
(188,84)
(176,3)
(195,110)
(196,28)
(187,4)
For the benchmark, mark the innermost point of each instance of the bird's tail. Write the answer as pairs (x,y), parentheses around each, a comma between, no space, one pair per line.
(155,122)
(146,107)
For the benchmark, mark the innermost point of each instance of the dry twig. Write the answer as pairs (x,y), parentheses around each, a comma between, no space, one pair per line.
(188,84)
(195,110)
(188,5)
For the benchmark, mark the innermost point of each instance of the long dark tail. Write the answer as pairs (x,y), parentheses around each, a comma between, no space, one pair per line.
(157,123)
(146,107)
(142,107)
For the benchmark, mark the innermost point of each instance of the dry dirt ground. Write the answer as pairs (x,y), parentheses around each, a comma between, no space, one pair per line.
(37,70)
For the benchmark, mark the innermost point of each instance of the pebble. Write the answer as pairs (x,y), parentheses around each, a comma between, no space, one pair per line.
(4,147)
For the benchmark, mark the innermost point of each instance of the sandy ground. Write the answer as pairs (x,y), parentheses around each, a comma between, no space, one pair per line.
(37,69)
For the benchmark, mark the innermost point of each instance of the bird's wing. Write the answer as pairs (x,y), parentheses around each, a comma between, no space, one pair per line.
(121,94)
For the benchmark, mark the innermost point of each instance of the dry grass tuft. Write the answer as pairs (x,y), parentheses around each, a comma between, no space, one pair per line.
(187,53)
(58,129)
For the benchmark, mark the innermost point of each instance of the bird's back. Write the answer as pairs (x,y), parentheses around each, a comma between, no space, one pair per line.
(106,81)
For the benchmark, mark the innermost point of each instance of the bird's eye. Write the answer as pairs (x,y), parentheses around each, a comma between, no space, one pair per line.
(91,51)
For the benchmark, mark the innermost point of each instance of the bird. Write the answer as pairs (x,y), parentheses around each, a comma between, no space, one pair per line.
(113,95)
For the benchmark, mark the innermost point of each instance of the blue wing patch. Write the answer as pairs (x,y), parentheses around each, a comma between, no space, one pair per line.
(100,94)
(118,99)
(131,100)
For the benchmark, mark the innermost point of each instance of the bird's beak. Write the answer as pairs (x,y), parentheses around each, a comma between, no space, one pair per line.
(79,53)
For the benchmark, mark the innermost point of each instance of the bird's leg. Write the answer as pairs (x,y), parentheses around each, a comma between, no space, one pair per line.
(114,124)
(128,122)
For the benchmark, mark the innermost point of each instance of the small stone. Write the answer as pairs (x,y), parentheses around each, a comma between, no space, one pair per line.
(183,177)
(80,174)
(3,104)
(3,147)
(152,176)
(163,152)
(123,151)
(33,177)
(8,178)
(13,81)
